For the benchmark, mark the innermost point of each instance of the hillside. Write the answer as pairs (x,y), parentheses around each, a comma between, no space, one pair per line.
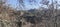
(31,18)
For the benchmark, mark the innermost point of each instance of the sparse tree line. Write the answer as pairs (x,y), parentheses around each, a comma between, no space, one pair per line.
(9,17)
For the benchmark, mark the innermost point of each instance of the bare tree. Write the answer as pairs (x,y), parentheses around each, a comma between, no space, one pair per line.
(21,4)
(2,2)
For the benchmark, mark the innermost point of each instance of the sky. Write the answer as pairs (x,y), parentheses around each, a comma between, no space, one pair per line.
(14,4)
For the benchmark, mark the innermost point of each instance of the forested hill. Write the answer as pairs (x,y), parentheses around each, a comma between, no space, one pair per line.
(46,13)
(41,17)
(9,17)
